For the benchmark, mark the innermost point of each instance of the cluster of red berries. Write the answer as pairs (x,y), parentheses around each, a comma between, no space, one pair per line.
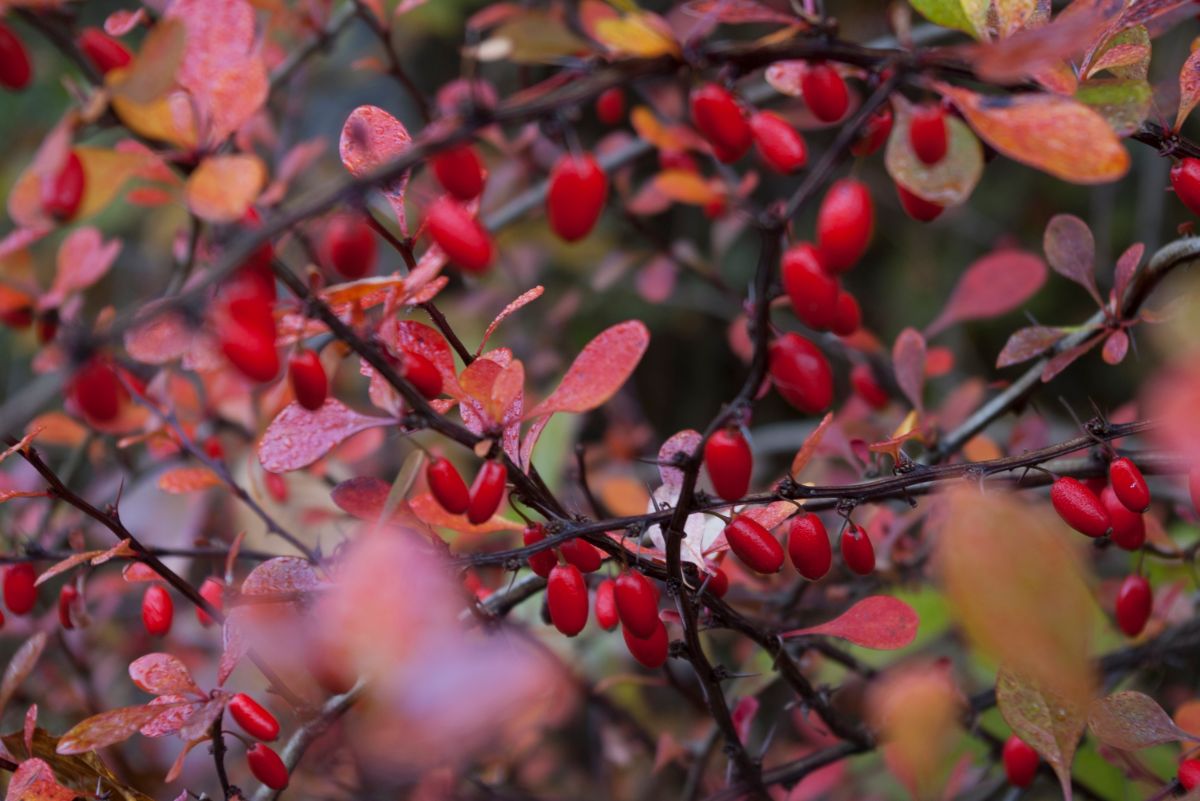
(480,502)
(260,724)
(1116,512)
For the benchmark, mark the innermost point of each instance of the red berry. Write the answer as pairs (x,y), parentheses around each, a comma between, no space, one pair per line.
(808,546)
(825,92)
(1185,180)
(1128,528)
(447,486)
(248,340)
(17,317)
(857,551)
(267,767)
(780,145)
(862,378)
(729,462)
(255,272)
(754,545)
(567,599)
(928,133)
(717,115)
(812,291)
(15,69)
(578,189)
(1134,603)
(582,554)
(213,591)
(874,133)
(349,246)
(1079,507)
(918,207)
(421,373)
(606,605)
(462,238)
(1128,484)
(844,224)
(718,583)
(677,160)
(20,594)
(637,604)
(541,562)
(308,379)
(67,597)
(651,651)
(213,449)
(801,373)
(460,172)
(1189,773)
(610,106)
(253,718)
(105,52)
(847,315)
(157,610)
(96,390)
(62,194)
(1020,762)
(487,491)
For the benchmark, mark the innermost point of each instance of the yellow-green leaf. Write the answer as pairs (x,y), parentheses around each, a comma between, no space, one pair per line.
(947,13)
(1124,103)
(949,181)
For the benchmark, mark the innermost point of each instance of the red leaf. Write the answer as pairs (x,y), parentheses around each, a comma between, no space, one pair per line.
(371,139)
(1189,87)
(1125,270)
(743,715)
(880,622)
(281,575)
(161,337)
(1064,360)
(908,361)
(178,710)
(1025,343)
(683,443)
(524,299)
(21,665)
(599,370)
(297,437)
(1115,347)
(993,285)
(34,780)
(362,497)
(222,66)
(162,674)
(107,728)
(83,259)
(1132,721)
(1071,251)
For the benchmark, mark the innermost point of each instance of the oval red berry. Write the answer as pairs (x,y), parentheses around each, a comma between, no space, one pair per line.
(845,222)
(1185,180)
(307,376)
(213,591)
(575,197)
(717,115)
(460,236)
(729,463)
(582,554)
(62,195)
(349,246)
(928,133)
(541,562)
(567,599)
(606,605)
(918,207)
(649,651)
(1020,762)
(447,486)
(1079,507)
(813,292)
(15,68)
(1135,601)
(1128,484)
(637,604)
(487,492)
(857,551)
(20,594)
(801,373)
(158,610)
(267,767)
(1128,528)
(254,719)
(105,52)
(610,106)
(460,172)
(779,145)
(754,545)
(809,547)
(825,92)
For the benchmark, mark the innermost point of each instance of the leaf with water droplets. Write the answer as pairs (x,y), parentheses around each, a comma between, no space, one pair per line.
(1132,721)
(371,139)
(297,437)
(1049,723)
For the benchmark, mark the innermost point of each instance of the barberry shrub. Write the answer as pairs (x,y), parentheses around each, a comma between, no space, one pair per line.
(710,399)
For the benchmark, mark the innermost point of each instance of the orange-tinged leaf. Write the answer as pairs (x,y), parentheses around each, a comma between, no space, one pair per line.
(281,575)
(1187,717)
(1189,87)
(34,780)
(993,285)
(685,186)
(366,292)
(107,728)
(222,65)
(1032,615)
(152,72)
(981,448)
(183,480)
(949,181)
(222,188)
(880,622)
(65,564)
(640,34)
(429,511)
(83,259)
(1051,722)
(1055,134)
(622,495)
(169,119)
(809,448)
(599,370)
(672,138)
(57,428)
(1132,721)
